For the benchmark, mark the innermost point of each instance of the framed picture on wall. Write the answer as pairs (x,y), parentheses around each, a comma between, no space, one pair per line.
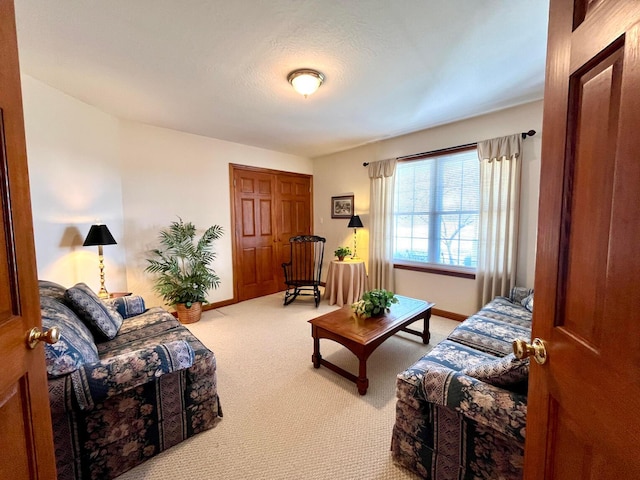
(342,207)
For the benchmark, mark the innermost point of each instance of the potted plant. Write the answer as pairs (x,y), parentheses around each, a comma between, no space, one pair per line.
(342,252)
(182,268)
(374,303)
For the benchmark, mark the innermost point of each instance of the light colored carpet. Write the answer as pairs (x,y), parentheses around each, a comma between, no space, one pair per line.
(283,419)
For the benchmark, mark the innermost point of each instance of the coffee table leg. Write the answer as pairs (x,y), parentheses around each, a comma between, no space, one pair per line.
(316,357)
(363,382)
(426,335)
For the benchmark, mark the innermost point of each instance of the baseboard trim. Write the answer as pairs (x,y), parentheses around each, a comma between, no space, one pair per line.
(223,303)
(450,315)
(435,311)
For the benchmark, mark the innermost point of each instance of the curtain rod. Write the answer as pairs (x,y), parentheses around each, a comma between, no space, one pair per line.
(530,133)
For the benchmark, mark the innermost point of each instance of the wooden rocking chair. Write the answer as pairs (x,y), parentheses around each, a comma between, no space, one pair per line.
(302,273)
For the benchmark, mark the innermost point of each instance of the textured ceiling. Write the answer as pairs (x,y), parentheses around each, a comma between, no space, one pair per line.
(219,68)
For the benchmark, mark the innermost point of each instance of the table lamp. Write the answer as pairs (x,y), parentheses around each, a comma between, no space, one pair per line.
(100,235)
(355,223)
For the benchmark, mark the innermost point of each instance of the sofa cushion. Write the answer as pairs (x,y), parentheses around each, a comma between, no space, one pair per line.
(149,323)
(128,306)
(101,318)
(52,289)
(527,302)
(75,346)
(488,334)
(502,372)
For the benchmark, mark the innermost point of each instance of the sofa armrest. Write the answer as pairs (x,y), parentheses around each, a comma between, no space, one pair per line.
(494,407)
(95,382)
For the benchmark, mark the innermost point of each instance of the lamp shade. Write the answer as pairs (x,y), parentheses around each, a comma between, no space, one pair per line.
(355,222)
(99,235)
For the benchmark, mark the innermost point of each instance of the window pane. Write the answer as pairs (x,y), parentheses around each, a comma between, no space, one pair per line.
(436,209)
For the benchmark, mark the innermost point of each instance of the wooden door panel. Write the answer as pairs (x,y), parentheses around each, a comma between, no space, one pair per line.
(266,222)
(581,421)
(589,191)
(264,264)
(249,269)
(13,441)
(248,216)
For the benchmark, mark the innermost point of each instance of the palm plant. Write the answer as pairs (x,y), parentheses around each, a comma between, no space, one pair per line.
(182,265)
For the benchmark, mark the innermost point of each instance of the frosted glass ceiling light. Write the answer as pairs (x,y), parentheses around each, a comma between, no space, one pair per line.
(305,81)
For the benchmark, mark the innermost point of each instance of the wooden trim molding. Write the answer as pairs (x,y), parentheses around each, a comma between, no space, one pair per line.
(222,303)
(450,315)
(438,270)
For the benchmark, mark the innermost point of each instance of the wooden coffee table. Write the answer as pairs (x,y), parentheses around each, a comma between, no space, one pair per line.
(363,336)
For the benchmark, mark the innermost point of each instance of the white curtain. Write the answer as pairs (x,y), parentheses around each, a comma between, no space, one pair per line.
(381,229)
(500,160)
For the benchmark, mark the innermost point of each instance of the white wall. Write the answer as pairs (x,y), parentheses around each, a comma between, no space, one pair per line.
(343,173)
(87,166)
(74,173)
(169,174)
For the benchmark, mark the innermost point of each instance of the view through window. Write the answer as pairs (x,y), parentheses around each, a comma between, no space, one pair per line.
(436,209)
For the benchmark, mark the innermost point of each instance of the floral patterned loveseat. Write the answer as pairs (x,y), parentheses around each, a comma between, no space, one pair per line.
(461,409)
(125,383)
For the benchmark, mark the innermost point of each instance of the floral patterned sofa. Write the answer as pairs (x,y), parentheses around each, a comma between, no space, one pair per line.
(125,383)
(461,409)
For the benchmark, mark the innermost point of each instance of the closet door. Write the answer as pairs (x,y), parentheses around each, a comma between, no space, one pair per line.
(255,259)
(293,214)
(269,207)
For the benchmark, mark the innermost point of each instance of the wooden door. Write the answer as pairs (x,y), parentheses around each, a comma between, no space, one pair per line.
(26,440)
(583,420)
(293,214)
(254,226)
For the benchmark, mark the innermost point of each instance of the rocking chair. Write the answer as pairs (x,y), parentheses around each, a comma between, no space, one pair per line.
(302,273)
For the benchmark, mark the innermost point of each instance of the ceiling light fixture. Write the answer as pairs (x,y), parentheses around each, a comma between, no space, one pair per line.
(305,81)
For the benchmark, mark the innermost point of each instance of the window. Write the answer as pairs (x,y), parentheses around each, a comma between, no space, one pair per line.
(436,210)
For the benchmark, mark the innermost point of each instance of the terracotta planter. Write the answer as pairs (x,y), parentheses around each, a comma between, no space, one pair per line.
(189,315)
(340,259)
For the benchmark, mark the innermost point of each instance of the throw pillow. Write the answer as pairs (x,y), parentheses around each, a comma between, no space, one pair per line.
(128,306)
(527,302)
(101,318)
(501,372)
(75,346)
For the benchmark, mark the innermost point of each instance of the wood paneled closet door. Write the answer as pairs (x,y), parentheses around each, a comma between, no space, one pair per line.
(582,419)
(26,441)
(269,207)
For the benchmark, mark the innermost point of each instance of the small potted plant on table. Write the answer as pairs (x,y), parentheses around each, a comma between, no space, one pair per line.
(374,303)
(182,268)
(342,252)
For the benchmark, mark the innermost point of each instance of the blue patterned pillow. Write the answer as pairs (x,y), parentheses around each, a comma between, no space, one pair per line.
(101,318)
(128,306)
(502,372)
(51,289)
(75,347)
(527,302)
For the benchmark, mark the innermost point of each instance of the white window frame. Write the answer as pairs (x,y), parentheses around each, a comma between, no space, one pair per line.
(431,266)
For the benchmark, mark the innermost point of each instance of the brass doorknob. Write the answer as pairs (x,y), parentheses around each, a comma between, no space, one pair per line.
(537,349)
(34,336)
